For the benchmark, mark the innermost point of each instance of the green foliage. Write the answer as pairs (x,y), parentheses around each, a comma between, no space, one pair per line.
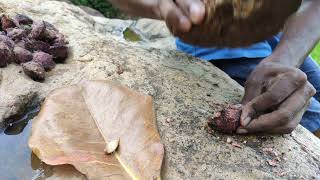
(316,53)
(102,6)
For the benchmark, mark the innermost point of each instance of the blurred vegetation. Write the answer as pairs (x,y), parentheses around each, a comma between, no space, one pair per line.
(102,6)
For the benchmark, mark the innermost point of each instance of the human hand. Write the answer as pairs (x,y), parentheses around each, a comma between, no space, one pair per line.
(276,97)
(179,15)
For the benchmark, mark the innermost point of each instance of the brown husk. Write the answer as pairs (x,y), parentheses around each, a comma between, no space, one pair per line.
(237,23)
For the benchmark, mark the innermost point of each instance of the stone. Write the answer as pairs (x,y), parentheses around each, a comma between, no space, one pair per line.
(16,33)
(34,70)
(7,22)
(179,85)
(44,59)
(6,40)
(5,54)
(59,52)
(22,55)
(38,28)
(34,45)
(23,20)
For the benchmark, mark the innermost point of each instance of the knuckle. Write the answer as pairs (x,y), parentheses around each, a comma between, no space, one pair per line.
(311,91)
(285,117)
(301,77)
(273,97)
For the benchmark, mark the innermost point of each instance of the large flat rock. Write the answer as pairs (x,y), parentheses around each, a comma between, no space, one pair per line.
(185,90)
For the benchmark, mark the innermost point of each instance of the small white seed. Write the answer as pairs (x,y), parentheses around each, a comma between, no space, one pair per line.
(229,140)
(111,146)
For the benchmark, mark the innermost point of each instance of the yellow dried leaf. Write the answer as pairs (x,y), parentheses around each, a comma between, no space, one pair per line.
(75,124)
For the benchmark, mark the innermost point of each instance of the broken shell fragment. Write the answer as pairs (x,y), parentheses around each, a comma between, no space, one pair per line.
(38,28)
(20,43)
(23,19)
(16,33)
(44,59)
(38,46)
(59,53)
(50,26)
(5,54)
(60,40)
(34,70)
(228,120)
(6,40)
(112,146)
(7,22)
(22,55)
(50,35)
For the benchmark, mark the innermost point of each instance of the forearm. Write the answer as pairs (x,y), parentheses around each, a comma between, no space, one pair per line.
(142,8)
(301,33)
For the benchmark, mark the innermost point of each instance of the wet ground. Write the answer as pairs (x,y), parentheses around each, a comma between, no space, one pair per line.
(16,160)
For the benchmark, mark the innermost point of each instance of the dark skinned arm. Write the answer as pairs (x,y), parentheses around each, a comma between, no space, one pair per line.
(301,34)
(277,93)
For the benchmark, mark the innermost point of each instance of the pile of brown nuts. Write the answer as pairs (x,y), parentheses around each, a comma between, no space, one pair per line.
(36,45)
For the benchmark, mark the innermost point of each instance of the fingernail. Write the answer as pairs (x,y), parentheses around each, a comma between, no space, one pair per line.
(241,131)
(246,121)
(196,13)
(185,24)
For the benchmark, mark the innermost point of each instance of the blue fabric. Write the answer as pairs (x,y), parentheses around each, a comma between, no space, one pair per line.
(258,50)
(240,69)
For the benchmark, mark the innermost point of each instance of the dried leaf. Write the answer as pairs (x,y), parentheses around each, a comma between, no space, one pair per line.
(65,172)
(76,123)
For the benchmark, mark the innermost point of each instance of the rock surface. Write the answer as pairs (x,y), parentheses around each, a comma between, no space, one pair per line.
(186,92)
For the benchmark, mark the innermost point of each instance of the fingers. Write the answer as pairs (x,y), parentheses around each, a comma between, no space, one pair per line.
(175,18)
(252,89)
(276,92)
(286,118)
(292,125)
(254,84)
(193,9)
